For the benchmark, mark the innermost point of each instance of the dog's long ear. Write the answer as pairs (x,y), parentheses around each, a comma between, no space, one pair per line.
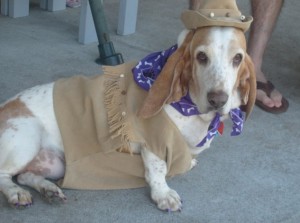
(247,85)
(172,82)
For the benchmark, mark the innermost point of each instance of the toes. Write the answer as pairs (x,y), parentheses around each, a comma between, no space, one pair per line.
(169,201)
(273,101)
(276,96)
(261,96)
(21,206)
(277,102)
(52,195)
(20,199)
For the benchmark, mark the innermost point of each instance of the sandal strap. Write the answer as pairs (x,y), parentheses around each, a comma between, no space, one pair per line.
(266,87)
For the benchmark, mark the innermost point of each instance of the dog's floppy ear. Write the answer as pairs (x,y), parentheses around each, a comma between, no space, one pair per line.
(172,82)
(247,85)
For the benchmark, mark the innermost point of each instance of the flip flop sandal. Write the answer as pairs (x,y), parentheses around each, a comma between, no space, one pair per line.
(268,88)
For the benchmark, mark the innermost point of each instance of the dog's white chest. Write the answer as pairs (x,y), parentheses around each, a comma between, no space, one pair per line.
(193,128)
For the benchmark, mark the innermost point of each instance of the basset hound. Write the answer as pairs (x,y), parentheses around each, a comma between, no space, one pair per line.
(210,65)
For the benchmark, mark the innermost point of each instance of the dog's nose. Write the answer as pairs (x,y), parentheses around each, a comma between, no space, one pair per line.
(217,99)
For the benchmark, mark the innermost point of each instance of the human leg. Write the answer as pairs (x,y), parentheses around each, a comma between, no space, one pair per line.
(194,4)
(265,15)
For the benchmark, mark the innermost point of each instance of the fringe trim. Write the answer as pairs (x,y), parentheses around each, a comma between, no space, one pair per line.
(119,126)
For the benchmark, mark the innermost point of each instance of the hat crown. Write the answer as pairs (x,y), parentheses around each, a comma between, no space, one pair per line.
(219,7)
(216,13)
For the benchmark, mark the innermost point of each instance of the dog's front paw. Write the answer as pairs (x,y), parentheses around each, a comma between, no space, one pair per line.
(168,200)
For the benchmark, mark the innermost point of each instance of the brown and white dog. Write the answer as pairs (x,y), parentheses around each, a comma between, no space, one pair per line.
(213,66)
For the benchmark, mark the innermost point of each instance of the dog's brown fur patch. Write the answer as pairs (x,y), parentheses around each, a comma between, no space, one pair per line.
(12,109)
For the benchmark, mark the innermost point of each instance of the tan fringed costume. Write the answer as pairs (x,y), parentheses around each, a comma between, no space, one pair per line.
(97,118)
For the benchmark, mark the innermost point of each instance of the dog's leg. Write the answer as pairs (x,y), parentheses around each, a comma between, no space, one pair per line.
(47,189)
(50,164)
(19,144)
(155,174)
(15,195)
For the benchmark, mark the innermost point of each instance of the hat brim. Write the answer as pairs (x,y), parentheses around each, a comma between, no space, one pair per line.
(194,19)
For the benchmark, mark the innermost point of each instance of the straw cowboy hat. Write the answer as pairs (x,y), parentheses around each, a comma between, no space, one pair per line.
(216,13)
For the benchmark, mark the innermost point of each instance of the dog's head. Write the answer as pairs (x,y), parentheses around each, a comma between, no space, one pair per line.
(212,64)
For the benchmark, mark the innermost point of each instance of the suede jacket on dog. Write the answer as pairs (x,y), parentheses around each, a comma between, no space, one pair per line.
(98,121)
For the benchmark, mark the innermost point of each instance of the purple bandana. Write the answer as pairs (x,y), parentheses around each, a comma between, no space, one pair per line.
(146,72)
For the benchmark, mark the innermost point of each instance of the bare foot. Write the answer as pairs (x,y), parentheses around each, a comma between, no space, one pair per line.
(275,98)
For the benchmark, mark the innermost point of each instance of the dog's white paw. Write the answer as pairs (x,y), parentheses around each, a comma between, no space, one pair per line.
(52,192)
(194,163)
(168,200)
(18,197)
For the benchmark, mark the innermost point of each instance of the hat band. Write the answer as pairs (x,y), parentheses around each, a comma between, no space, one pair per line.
(211,13)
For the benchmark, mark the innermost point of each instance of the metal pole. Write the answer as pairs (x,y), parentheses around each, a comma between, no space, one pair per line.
(108,56)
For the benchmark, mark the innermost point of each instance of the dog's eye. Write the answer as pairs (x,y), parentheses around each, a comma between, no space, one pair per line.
(202,58)
(237,59)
